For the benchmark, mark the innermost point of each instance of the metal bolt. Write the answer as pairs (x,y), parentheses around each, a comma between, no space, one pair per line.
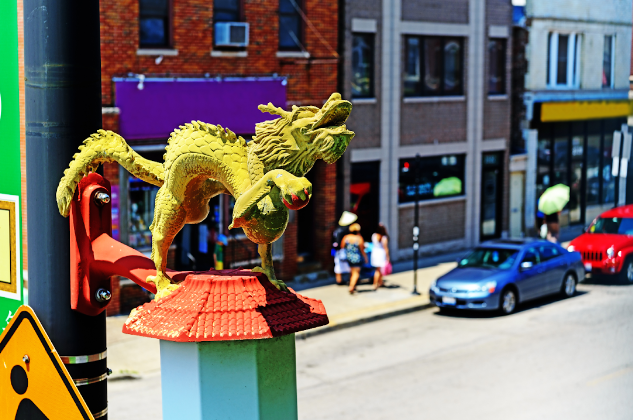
(103,295)
(26,359)
(102,198)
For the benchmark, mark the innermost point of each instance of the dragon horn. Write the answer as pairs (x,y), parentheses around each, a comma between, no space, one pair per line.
(271,109)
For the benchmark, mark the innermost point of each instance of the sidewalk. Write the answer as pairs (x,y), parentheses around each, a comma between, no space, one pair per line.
(131,356)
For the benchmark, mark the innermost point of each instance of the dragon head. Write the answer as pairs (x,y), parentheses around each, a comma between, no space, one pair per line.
(300,137)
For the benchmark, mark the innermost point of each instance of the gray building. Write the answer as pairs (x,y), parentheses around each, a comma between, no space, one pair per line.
(428,78)
(576,96)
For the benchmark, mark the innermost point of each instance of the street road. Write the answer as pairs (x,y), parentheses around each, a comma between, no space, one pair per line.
(555,359)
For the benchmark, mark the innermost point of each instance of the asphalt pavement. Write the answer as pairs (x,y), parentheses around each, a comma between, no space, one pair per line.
(554,359)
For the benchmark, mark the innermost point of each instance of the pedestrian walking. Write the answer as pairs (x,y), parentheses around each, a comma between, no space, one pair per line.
(354,246)
(340,259)
(380,255)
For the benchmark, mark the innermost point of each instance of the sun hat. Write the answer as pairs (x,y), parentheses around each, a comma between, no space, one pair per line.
(347,218)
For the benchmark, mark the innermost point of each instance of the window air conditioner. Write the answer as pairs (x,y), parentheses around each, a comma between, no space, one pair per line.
(231,34)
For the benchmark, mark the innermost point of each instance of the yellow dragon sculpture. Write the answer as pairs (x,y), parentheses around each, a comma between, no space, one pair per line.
(265,175)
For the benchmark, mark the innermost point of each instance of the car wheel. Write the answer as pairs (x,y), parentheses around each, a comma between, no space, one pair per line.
(508,302)
(626,274)
(569,286)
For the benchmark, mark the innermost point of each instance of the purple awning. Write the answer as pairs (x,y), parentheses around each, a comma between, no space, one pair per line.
(163,104)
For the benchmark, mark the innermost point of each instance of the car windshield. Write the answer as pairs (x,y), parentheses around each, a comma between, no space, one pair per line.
(498,258)
(614,225)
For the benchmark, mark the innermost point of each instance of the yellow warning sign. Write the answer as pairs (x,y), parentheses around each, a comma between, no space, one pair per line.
(34,384)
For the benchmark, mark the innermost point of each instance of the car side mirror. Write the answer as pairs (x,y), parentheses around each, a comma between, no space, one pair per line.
(526,265)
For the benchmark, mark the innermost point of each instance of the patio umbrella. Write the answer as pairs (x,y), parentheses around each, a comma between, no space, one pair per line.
(448,186)
(554,199)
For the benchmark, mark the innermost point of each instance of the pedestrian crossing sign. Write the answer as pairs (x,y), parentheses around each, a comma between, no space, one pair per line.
(34,384)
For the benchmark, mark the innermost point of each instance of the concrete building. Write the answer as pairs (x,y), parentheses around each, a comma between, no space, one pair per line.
(578,57)
(429,78)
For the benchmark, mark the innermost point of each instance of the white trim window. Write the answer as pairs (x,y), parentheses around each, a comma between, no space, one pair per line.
(608,61)
(563,60)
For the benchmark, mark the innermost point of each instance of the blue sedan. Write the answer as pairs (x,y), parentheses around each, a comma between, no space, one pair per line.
(498,275)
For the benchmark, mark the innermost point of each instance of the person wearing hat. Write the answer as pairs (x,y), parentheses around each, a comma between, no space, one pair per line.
(354,246)
(340,260)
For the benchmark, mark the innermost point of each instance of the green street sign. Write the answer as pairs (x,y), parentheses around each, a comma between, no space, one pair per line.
(11,288)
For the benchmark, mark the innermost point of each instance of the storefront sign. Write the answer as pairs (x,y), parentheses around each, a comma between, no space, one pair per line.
(10,228)
(154,107)
(584,110)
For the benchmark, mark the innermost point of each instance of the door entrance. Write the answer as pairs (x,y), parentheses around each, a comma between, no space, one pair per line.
(491,187)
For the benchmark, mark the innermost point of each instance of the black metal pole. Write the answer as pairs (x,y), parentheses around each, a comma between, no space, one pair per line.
(416,225)
(62,67)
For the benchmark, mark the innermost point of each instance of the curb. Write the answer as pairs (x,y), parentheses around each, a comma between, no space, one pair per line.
(343,325)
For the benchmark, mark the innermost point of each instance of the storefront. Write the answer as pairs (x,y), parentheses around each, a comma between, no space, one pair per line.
(146,120)
(577,154)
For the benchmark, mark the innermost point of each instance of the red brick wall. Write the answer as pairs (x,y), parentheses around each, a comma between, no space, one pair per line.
(310,81)
(324,199)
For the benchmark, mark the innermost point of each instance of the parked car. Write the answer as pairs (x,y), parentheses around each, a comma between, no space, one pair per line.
(498,275)
(607,244)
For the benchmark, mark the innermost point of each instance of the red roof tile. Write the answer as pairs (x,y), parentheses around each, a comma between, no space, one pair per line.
(226,305)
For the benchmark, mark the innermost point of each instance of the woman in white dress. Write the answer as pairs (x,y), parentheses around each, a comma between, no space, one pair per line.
(379,253)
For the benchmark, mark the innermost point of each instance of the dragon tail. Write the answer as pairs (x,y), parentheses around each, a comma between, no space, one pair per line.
(101,147)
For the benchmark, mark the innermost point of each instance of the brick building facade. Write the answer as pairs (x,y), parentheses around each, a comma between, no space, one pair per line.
(429,78)
(188,53)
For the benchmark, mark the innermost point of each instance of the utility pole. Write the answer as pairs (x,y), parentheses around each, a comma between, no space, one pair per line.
(416,225)
(62,66)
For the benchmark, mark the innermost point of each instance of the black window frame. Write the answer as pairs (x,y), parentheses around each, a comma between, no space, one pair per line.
(419,91)
(300,35)
(611,58)
(501,65)
(238,18)
(167,17)
(429,176)
(371,37)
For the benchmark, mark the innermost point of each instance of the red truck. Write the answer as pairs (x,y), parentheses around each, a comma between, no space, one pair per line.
(607,245)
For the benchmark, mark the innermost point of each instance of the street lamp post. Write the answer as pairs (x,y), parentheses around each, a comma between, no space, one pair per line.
(416,228)
(62,69)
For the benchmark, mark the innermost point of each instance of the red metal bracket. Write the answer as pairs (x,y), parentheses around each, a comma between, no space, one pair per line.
(94,255)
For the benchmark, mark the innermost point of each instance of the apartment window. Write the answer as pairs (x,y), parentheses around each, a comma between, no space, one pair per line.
(438,177)
(562,60)
(154,23)
(496,66)
(290,28)
(226,11)
(608,61)
(363,66)
(433,66)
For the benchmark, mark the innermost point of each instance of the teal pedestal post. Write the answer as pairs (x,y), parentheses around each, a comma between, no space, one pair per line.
(246,379)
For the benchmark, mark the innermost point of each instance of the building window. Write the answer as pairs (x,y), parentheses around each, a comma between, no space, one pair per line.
(438,177)
(226,11)
(154,23)
(142,197)
(363,66)
(433,66)
(496,66)
(562,60)
(290,28)
(608,61)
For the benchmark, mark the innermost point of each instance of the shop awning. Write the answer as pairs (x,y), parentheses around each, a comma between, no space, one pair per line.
(154,107)
(584,110)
